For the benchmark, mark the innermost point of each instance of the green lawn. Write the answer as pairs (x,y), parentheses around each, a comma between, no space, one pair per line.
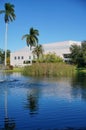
(15,69)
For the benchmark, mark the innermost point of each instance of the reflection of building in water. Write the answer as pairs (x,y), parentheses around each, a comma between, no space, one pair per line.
(62,89)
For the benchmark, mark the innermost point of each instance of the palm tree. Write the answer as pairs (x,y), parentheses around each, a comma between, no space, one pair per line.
(38,50)
(31,38)
(9,16)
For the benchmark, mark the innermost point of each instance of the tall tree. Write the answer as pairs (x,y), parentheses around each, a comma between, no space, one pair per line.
(2,56)
(83,45)
(31,38)
(9,16)
(78,54)
(75,53)
(38,50)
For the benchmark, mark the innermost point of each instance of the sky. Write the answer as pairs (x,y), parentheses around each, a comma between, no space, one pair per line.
(56,20)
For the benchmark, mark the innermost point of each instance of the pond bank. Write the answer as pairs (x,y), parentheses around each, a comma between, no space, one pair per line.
(49,69)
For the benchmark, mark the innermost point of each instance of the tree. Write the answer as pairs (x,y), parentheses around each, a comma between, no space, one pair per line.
(52,58)
(78,54)
(83,45)
(75,53)
(2,56)
(38,50)
(31,38)
(9,16)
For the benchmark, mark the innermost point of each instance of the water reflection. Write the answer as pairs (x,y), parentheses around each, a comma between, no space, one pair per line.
(32,100)
(79,80)
(52,102)
(78,85)
(9,123)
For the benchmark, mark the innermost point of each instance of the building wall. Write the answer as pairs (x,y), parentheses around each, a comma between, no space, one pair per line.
(18,58)
(59,48)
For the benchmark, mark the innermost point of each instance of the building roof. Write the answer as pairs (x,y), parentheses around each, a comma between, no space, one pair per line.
(52,46)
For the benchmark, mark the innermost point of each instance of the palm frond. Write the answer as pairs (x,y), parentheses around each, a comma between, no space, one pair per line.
(31,38)
(36,39)
(11,17)
(9,12)
(36,32)
(24,36)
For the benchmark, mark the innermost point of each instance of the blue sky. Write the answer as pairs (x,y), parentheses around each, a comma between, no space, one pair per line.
(56,20)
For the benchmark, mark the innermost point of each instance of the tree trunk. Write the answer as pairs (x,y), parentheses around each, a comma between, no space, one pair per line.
(6,44)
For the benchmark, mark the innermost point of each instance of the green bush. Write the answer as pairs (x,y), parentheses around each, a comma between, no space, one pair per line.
(50,58)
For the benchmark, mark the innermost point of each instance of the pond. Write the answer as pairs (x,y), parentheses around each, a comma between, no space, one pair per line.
(28,103)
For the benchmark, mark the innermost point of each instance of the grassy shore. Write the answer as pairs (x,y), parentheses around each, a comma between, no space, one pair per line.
(15,69)
(49,69)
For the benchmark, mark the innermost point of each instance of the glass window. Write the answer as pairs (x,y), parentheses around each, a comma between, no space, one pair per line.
(22,57)
(29,57)
(18,57)
(34,57)
(15,58)
(27,62)
(66,55)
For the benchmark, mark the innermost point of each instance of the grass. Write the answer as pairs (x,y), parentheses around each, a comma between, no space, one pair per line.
(49,69)
(15,69)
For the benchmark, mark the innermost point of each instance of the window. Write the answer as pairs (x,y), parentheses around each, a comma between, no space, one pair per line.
(34,57)
(22,57)
(15,58)
(29,57)
(66,55)
(26,62)
(18,57)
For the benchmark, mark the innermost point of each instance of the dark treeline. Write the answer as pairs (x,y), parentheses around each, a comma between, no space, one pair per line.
(2,56)
(78,54)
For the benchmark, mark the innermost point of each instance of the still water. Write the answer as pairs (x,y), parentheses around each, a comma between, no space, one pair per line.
(28,103)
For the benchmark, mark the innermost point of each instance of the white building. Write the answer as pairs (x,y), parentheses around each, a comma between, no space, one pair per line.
(21,57)
(25,56)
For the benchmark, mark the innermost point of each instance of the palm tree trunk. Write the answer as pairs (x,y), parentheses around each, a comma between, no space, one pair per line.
(6,44)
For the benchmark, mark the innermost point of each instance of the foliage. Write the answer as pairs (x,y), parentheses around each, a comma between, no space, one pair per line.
(78,54)
(49,69)
(9,12)
(31,38)
(8,60)
(38,51)
(50,58)
(9,16)
(2,56)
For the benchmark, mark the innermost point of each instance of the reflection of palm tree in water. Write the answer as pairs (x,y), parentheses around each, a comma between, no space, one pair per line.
(32,98)
(9,123)
(33,103)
